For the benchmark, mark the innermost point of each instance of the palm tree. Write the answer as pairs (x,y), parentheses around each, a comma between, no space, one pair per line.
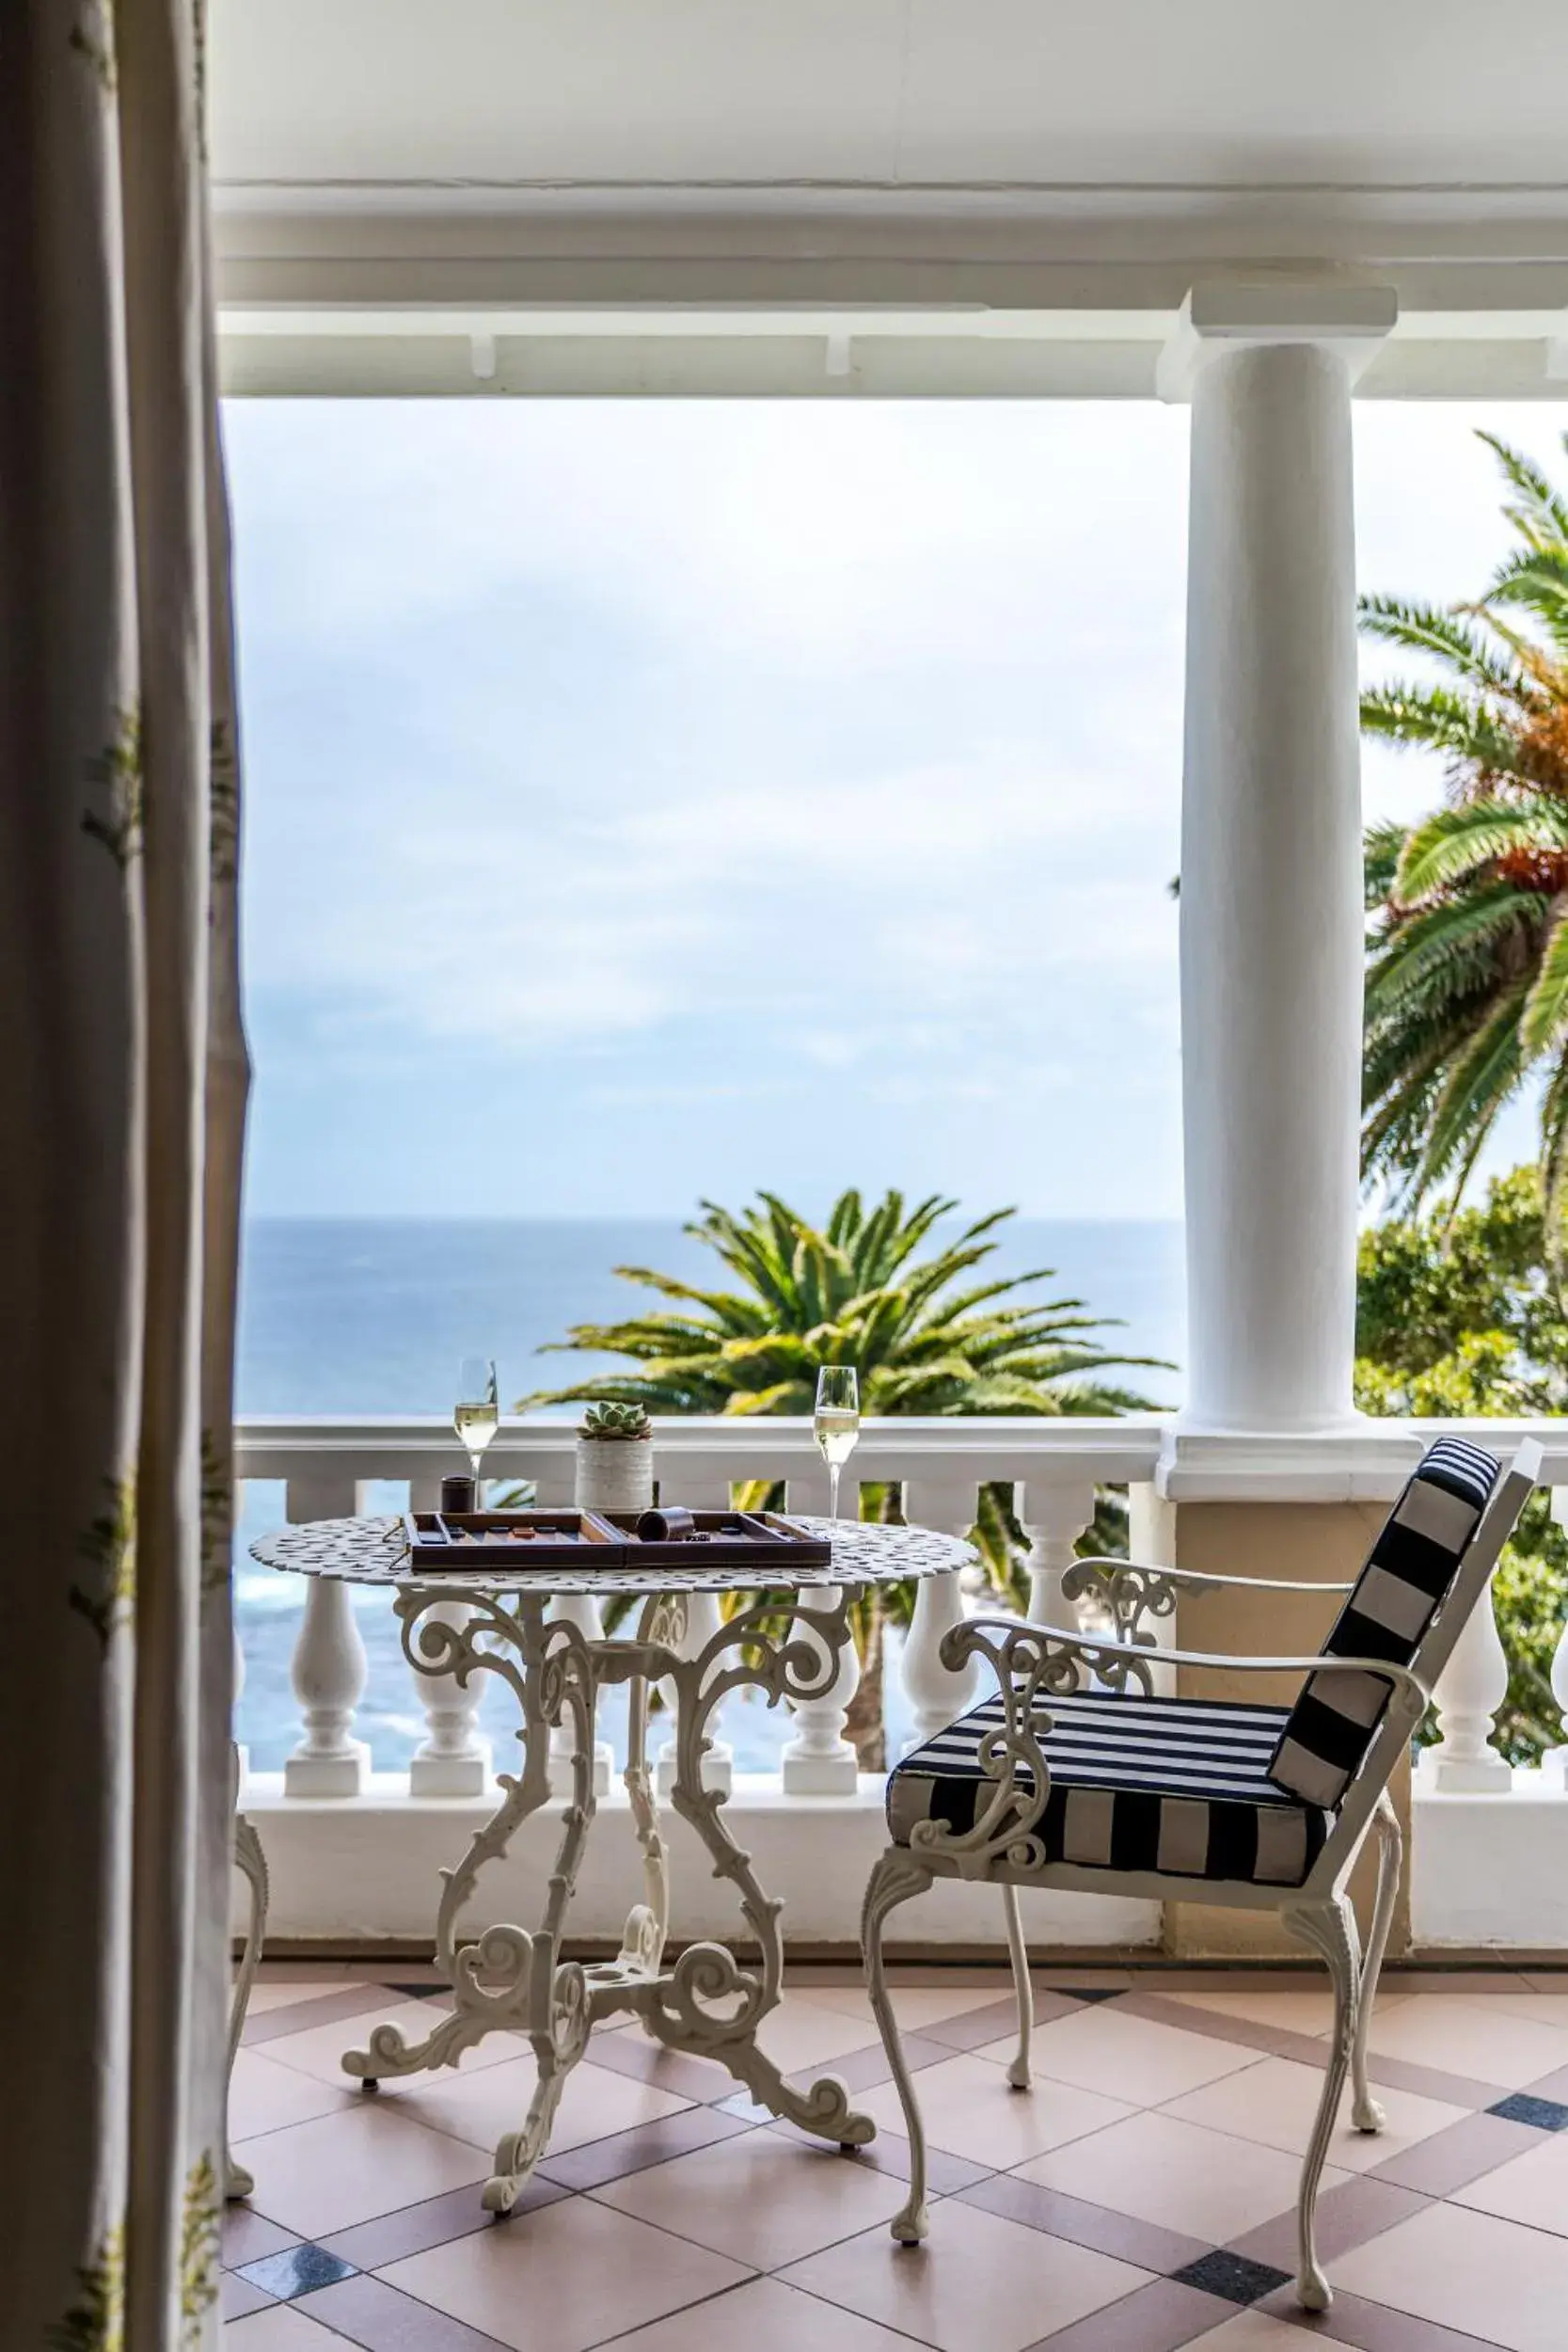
(1467,973)
(857,1291)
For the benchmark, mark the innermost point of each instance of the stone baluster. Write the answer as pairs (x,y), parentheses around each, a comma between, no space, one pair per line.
(452,1760)
(329,1667)
(1469,1693)
(1055,1512)
(1554,1764)
(704,1618)
(936,1693)
(581,1610)
(819,1762)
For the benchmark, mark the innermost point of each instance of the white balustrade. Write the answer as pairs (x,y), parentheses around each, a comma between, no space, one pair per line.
(819,1762)
(329,1667)
(452,1760)
(581,1610)
(938,1693)
(1055,1512)
(1469,1693)
(699,1490)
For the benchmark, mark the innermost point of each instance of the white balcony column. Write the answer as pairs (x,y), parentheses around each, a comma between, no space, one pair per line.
(1468,1695)
(937,1693)
(1055,1514)
(1271,922)
(330,1668)
(452,1760)
(581,1610)
(704,1618)
(1554,1764)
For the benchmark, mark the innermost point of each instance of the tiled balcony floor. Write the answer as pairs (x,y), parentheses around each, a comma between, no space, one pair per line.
(1139,2198)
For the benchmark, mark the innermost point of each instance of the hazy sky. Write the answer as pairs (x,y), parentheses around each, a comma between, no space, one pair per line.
(652,800)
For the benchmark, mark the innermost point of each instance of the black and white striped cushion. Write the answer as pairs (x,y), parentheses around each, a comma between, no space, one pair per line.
(1408,1575)
(1179,1786)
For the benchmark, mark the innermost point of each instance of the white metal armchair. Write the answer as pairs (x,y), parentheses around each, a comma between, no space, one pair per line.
(1076,1775)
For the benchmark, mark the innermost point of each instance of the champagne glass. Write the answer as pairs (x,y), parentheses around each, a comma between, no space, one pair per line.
(838,1421)
(476,1416)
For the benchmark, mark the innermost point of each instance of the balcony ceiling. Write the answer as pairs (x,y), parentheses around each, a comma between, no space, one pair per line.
(890,94)
(1058,174)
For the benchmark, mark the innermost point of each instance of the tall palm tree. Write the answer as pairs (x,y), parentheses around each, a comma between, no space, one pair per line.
(857,1291)
(1468,946)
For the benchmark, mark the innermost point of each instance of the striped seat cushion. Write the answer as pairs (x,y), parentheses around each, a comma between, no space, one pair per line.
(1179,1786)
(1409,1574)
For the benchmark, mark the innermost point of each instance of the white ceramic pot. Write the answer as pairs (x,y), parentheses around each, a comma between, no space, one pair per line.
(615,1473)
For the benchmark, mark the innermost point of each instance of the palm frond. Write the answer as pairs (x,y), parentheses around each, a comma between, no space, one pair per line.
(1447,635)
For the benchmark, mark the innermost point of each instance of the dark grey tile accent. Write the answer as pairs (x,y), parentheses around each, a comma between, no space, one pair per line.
(1085,2224)
(429,1990)
(1527,2106)
(325,2009)
(1232,2276)
(862,2070)
(1348,2215)
(247,2236)
(240,2299)
(1455,2156)
(647,2061)
(1370,2327)
(612,2159)
(1159,2317)
(296,2270)
(1095,1993)
(997,2018)
(1552,2085)
(890,2152)
(372,2313)
(371,2245)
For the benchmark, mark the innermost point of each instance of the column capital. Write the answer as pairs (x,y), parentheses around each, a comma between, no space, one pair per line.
(1233,314)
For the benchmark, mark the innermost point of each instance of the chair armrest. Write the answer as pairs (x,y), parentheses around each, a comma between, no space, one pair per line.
(1138,1594)
(1043,1652)
(1197,1580)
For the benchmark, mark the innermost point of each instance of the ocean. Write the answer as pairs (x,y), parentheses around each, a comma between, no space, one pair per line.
(372,1315)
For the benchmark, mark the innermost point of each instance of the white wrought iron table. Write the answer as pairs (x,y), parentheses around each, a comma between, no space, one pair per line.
(513,1979)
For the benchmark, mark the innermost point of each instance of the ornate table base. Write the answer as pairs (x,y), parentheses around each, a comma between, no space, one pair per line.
(512,1979)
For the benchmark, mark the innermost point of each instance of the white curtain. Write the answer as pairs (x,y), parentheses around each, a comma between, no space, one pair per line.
(122,1089)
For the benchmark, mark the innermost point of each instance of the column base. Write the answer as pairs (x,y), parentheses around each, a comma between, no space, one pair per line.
(451,1775)
(342,1775)
(836,1774)
(1554,1768)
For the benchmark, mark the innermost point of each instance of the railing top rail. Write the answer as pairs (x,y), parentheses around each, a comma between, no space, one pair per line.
(1366,1460)
(994,1447)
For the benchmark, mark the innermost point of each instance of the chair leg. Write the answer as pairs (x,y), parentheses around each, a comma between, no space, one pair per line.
(1366,2113)
(1330,1928)
(1017,1952)
(897,1876)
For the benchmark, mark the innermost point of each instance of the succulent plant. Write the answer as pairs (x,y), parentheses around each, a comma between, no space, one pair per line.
(615,1421)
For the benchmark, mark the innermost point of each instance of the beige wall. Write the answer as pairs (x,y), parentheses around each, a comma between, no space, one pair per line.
(1309,1542)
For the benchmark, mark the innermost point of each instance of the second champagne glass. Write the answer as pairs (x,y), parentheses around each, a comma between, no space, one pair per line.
(476,1415)
(837,1422)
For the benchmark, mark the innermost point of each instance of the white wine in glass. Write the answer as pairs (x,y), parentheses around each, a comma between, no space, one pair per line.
(838,1421)
(476,1416)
